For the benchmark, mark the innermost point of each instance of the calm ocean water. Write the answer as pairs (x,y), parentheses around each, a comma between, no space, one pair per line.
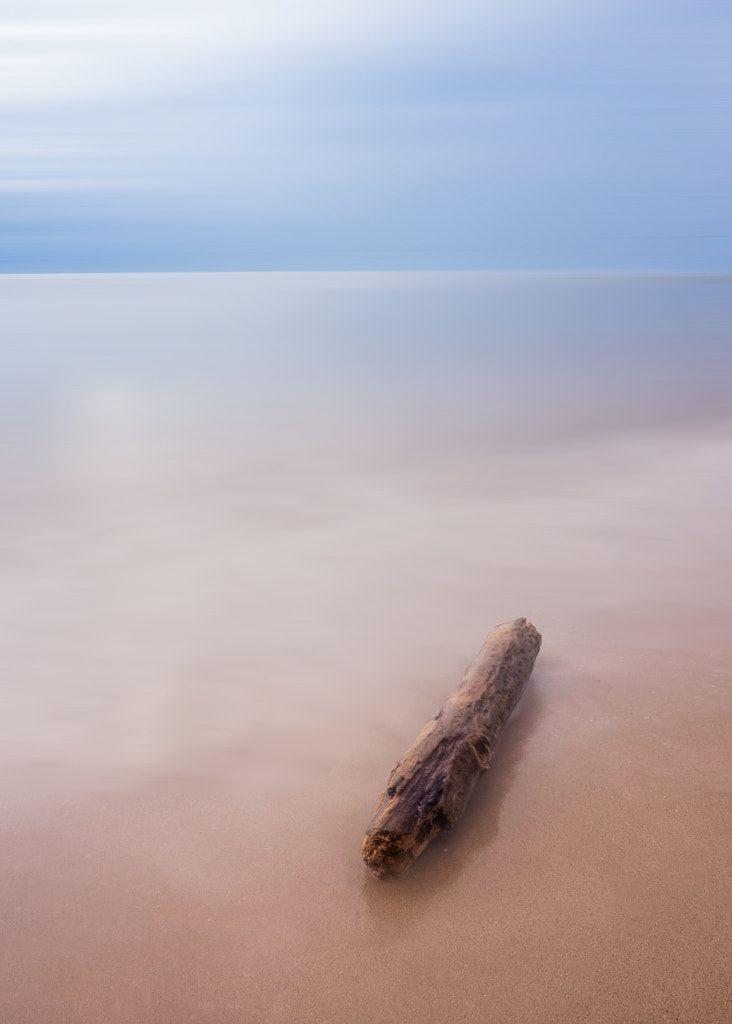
(239,503)
(427,355)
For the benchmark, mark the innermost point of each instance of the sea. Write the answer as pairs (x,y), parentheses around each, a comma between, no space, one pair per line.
(235,503)
(253,528)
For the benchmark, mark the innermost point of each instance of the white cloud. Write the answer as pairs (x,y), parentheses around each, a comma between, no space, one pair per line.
(288,111)
(90,53)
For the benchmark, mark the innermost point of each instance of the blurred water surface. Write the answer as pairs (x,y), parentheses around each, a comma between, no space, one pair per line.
(241,511)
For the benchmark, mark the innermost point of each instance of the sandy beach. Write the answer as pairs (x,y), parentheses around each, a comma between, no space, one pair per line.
(217,640)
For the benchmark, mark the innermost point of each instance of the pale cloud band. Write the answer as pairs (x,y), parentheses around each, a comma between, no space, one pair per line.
(428,134)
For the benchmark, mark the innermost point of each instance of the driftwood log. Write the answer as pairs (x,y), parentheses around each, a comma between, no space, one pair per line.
(431,784)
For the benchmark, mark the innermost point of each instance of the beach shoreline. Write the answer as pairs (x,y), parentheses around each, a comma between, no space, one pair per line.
(223,625)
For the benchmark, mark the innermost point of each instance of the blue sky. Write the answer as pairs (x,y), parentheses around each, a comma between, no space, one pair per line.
(381,134)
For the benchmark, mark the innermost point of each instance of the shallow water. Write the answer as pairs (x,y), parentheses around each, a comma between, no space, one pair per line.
(254,528)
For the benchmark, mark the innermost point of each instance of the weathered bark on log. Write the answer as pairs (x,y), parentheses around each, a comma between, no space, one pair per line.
(431,784)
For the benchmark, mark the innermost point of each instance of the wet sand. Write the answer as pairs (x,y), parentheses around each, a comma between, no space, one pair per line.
(209,680)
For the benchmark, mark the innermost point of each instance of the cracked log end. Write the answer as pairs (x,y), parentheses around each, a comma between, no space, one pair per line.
(431,784)
(389,854)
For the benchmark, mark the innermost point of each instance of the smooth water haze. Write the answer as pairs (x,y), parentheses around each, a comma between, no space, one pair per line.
(254,526)
(222,491)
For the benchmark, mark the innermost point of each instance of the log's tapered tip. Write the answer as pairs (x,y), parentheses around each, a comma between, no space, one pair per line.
(529,629)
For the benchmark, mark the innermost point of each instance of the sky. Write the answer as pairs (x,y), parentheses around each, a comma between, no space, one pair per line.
(372,134)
